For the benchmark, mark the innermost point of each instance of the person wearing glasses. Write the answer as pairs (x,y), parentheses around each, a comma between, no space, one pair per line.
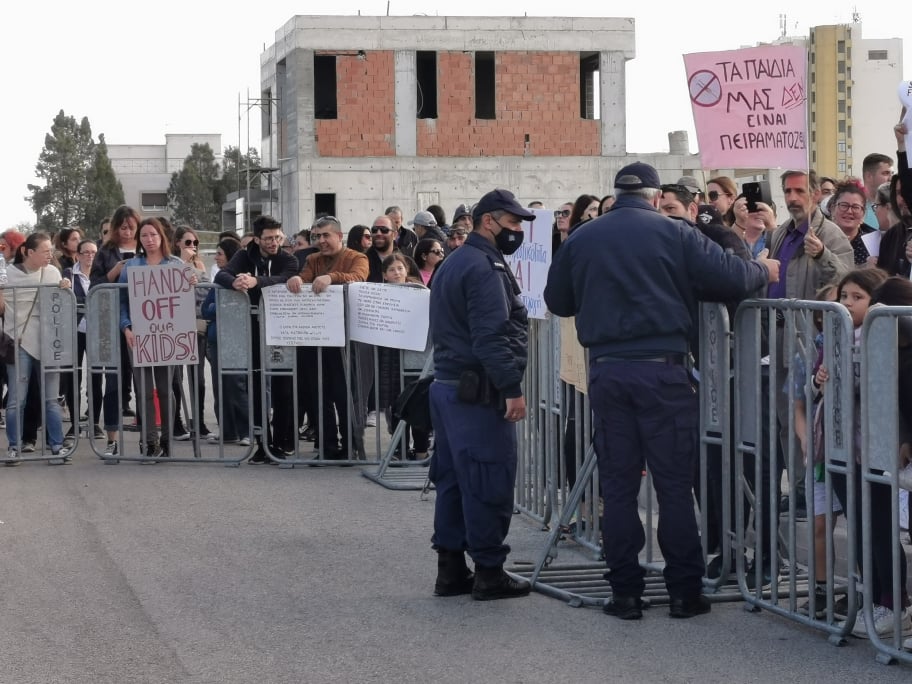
(336,264)
(848,211)
(561,226)
(78,275)
(382,245)
(359,238)
(261,264)
(721,192)
(186,245)
(428,255)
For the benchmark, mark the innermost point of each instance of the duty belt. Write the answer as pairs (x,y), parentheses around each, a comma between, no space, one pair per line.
(673,359)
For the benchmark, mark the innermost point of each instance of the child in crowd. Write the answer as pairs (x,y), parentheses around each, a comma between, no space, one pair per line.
(856,290)
(399,269)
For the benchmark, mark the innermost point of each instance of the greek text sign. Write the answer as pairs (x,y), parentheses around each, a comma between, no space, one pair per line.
(304,319)
(750,107)
(531,261)
(163,315)
(389,315)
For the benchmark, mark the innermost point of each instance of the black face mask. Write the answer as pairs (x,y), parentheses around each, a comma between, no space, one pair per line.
(508,241)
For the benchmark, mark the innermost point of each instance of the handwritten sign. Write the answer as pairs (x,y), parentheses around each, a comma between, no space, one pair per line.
(163,315)
(531,261)
(750,107)
(395,316)
(573,368)
(905,97)
(304,319)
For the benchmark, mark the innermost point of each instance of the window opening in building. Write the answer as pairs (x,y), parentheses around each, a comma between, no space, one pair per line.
(426,68)
(589,85)
(154,201)
(266,113)
(876,55)
(325,102)
(485,86)
(324,204)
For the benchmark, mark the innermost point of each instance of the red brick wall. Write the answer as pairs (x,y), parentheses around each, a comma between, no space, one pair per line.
(537,94)
(365,109)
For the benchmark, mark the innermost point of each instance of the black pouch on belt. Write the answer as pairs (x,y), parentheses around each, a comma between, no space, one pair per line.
(471,387)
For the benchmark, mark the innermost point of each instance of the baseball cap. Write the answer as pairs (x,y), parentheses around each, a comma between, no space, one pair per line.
(501,200)
(461,210)
(424,218)
(707,215)
(637,176)
(690,183)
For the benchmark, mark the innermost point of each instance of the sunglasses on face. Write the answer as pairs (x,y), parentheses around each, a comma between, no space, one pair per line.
(562,213)
(188,242)
(715,194)
(380,229)
(438,252)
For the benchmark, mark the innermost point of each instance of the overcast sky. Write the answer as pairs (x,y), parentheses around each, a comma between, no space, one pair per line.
(141,70)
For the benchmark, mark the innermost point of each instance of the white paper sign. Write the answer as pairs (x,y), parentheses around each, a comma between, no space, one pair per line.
(304,319)
(872,242)
(905,96)
(387,315)
(530,262)
(162,315)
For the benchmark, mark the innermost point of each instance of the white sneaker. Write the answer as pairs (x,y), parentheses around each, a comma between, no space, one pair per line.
(371,419)
(110,449)
(12,457)
(244,441)
(212,437)
(883,622)
(907,644)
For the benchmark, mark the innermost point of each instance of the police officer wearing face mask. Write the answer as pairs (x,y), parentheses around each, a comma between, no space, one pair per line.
(479,329)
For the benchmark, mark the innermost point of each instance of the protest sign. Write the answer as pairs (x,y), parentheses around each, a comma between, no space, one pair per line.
(304,319)
(387,315)
(531,261)
(162,315)
(750,107)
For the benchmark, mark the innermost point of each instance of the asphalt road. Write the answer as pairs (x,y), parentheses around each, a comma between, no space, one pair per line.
(203,573)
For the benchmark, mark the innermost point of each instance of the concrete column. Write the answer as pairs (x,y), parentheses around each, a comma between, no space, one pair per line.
(406,127)
(612,84)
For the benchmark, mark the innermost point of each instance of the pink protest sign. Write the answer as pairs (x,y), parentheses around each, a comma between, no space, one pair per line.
(750,107)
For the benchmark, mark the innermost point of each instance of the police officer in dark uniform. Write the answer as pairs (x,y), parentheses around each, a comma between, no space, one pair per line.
(479,329)
(633,278)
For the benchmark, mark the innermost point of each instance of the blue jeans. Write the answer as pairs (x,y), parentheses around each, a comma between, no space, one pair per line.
(18,391)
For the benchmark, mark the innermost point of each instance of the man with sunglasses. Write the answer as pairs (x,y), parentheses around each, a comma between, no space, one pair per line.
(382,245)
(261,264)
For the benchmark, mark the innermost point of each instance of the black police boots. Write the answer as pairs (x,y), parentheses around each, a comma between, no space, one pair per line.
(494,583)
(453,575)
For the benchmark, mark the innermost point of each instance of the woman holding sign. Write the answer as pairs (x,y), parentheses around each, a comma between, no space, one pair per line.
(152,250)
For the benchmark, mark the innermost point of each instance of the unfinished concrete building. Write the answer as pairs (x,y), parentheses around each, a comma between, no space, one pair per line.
(360,113)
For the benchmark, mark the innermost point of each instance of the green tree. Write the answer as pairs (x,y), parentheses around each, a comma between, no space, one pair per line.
(235,165)
(194,195)
(63,164)
(105,193)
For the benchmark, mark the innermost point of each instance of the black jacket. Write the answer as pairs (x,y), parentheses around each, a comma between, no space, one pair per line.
(478,320)
(633,277)
(273,270)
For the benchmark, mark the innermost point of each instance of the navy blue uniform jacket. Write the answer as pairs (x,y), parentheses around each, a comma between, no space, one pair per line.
(478,322)
(633,278)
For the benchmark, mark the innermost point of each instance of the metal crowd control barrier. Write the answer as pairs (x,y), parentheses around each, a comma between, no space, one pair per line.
(53,311)
(885,329)
(577,496)
(104,358)
(779,383)
(408,475)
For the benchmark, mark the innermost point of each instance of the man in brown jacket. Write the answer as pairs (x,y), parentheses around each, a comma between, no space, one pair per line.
(334,264)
